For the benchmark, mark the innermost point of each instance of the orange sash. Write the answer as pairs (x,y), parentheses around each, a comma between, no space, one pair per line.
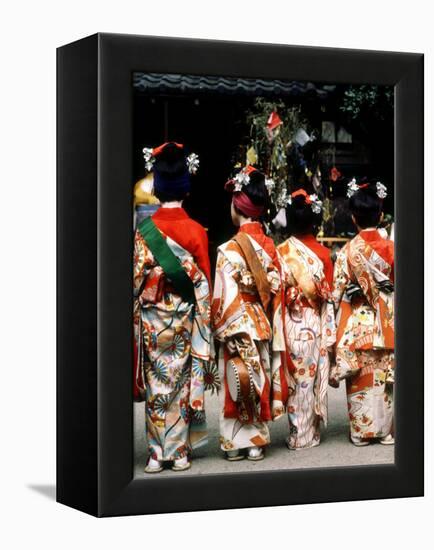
(255,266)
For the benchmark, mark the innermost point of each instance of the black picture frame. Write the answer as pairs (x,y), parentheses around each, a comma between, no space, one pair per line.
(94,278)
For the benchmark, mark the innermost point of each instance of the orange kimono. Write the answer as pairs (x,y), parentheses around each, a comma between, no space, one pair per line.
(364,299)
(238,315)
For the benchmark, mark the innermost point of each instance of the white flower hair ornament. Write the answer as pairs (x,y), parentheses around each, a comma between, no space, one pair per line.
(193,163)
(381,190)
(315,204)
(270,185)
(148,155)
(352,187)
(282,198)
(240,180)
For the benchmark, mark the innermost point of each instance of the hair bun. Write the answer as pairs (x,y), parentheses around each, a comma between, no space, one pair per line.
(171,160)
(171,152)
(368,187)
(299,201)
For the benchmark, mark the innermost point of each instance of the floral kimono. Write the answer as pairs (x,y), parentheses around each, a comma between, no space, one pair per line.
(238,314)
(173,342)
(309,329)
(363,295)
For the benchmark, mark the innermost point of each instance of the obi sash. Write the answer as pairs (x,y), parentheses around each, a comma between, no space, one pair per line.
(255,266)
(170,264)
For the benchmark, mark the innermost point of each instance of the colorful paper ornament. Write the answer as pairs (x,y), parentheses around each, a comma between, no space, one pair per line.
(251,156)
(274,121)
(280,219)
(335,174)
(302,137)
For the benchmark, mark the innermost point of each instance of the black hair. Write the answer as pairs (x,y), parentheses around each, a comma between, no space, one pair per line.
(256,190)
(300,218)
(366,206)
(171,164)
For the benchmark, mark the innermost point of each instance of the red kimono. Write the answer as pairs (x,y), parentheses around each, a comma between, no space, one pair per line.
(176,224)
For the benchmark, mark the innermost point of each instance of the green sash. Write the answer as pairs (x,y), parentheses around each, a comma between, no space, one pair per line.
(170,264)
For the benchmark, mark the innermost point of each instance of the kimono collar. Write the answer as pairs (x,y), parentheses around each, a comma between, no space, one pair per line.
(252,228)
(306,238)
(370,234)
(172,214)
(255,230)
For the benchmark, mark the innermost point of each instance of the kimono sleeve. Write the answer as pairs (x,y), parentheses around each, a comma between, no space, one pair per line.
(341,277)
(278,305)
(282,382)
(139,275)
(227,311)
(328,268)
(143,261)
(201,254)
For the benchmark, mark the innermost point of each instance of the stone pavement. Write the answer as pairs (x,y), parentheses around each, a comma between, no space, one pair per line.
(335,448)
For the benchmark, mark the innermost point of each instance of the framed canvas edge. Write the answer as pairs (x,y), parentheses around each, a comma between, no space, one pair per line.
(127,495)
(76,277)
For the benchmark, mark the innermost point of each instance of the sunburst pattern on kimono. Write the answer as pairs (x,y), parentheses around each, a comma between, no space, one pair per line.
(176,339)
(197,369)
(211,377)
(179,343)
(160,372)
(198,417)
(161,405)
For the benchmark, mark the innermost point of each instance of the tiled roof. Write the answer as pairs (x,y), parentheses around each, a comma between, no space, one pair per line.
(170,83)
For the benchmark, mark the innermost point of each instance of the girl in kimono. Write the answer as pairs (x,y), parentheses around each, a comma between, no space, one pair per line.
(364,299)
(172,313)
(247,278)
(309,326)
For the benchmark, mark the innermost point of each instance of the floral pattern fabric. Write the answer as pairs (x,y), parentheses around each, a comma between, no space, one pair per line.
(245,429)
(310,335)
(370,395)
(173,340)
(365,335)
(238,316)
